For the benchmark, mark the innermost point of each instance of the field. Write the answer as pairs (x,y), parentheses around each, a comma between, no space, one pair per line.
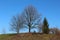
(29,36)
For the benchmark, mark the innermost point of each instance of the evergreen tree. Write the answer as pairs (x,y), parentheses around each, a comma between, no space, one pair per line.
(45,28)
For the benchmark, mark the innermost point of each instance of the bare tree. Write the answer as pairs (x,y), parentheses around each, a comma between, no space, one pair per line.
(16,23)
(31,17)
(40,28)
(55,30)
(4,31)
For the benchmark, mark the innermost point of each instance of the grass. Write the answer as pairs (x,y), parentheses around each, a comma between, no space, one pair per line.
(28,36)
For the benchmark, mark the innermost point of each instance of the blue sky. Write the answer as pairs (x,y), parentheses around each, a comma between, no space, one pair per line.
(48,8)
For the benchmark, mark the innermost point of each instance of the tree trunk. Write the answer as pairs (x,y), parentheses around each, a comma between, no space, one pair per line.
(29,29)
(17,31)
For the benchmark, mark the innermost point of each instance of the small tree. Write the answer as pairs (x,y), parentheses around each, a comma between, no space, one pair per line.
(45,26)
(40,28)
(55,30)
(4,31)
(16,23)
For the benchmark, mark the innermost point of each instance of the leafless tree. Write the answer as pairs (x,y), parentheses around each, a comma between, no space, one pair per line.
(4,31)
(54,30)
(16,23)
(31,17)
(40,28)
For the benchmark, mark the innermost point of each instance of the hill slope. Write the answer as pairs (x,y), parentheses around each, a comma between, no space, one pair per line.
(28,36)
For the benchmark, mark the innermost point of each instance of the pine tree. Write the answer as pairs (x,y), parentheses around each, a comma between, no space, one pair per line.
(45,28)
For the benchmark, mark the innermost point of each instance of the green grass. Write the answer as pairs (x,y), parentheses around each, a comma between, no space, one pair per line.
(26,36)
(6,36)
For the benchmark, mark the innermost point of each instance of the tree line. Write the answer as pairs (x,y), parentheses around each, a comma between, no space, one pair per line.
(29,18)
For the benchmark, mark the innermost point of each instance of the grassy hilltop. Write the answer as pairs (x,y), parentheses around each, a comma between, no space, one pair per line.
(29,36)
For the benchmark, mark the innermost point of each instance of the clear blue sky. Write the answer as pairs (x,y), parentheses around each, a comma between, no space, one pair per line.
(48,8)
